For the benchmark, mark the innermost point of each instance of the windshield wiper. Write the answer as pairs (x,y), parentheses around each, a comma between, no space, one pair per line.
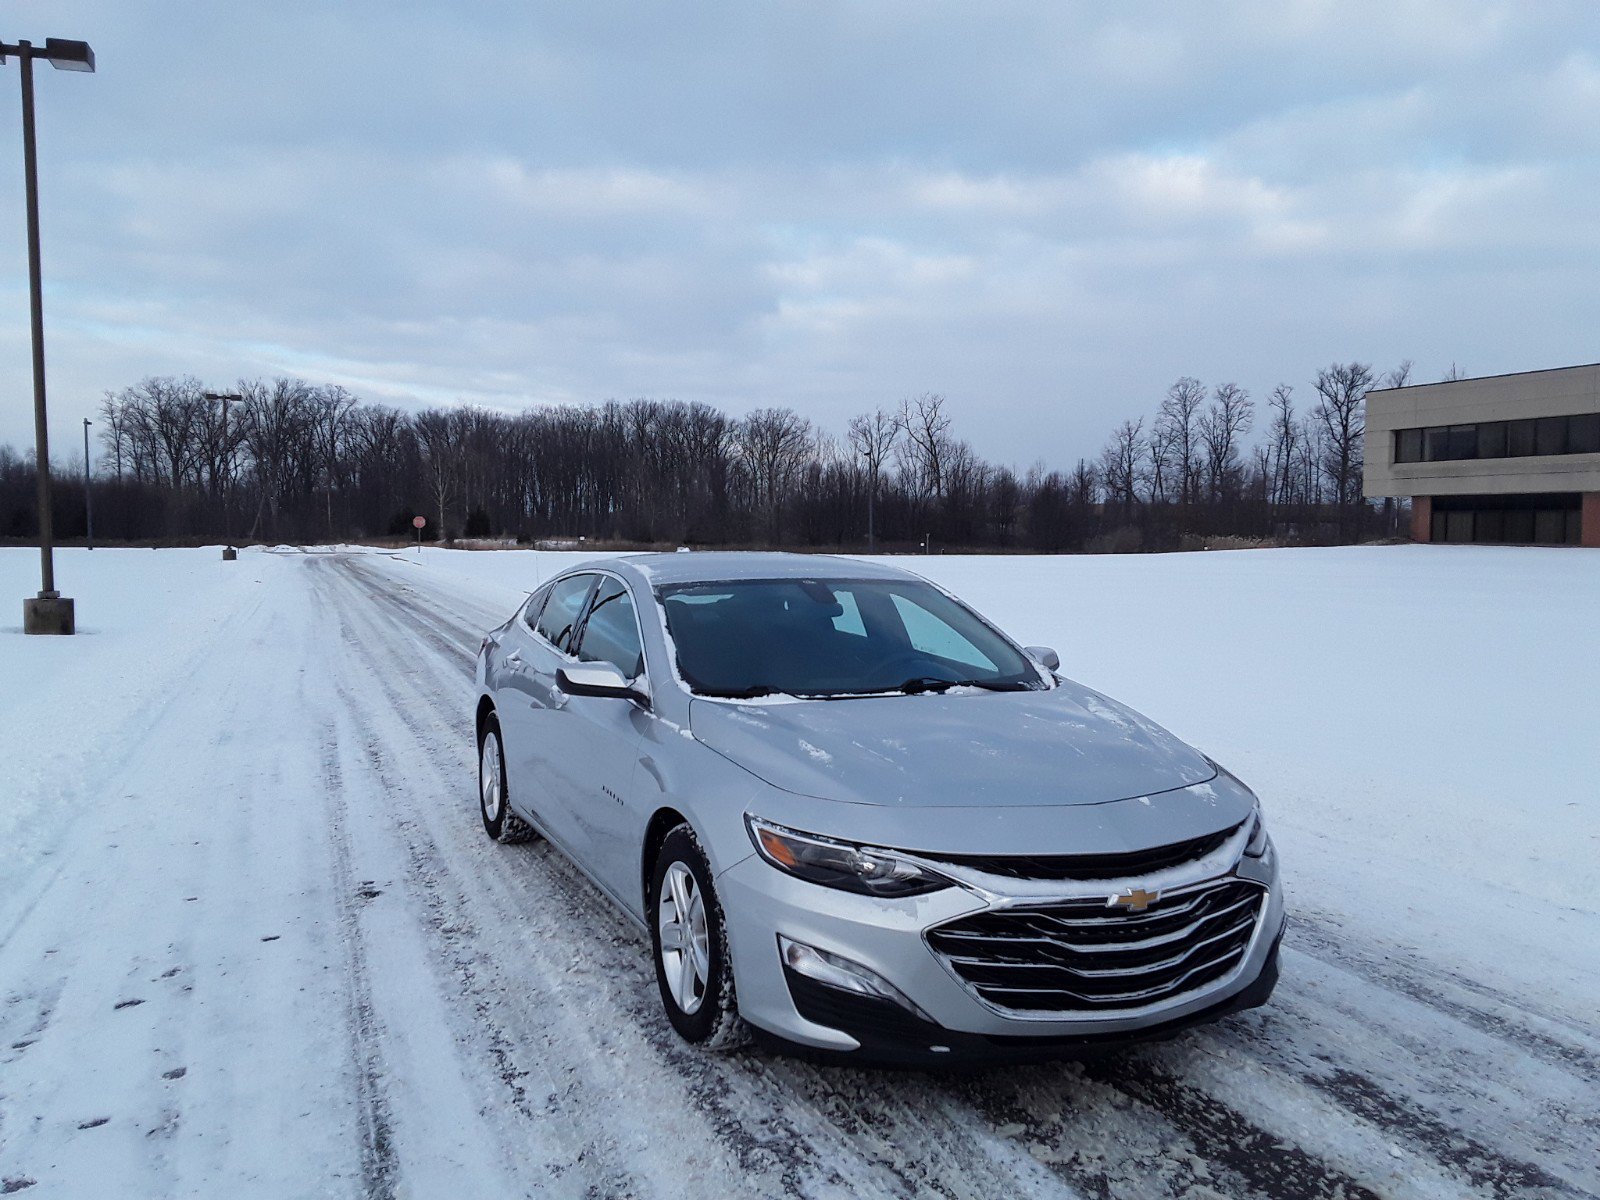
(745,693)
(925,683)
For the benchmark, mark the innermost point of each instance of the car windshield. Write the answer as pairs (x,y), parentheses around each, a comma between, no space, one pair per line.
(840,637)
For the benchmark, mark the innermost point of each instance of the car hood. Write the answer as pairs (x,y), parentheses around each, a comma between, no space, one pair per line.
(1068,746)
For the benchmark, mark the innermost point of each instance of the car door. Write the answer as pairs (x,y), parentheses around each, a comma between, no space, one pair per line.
(604,735)
(531,707)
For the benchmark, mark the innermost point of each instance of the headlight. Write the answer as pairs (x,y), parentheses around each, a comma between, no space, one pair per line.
(1259,842)
(864,869)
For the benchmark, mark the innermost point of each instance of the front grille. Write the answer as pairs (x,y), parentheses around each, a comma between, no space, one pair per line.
(1085,956)
(1091,866)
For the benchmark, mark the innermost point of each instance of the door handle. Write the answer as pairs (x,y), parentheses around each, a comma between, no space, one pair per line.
(514,660)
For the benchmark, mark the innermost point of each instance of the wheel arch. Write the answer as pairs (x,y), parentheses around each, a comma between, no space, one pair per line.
(485,711)
(662,822)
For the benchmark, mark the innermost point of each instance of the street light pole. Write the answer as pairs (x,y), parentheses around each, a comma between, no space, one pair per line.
(229,554)
(50,611)
(88,492)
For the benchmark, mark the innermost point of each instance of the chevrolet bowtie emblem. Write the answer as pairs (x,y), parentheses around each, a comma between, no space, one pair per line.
(1134,900)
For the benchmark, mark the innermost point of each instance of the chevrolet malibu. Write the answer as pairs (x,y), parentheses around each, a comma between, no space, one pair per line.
(854,816)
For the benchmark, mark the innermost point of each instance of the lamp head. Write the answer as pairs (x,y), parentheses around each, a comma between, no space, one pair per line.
(65,55)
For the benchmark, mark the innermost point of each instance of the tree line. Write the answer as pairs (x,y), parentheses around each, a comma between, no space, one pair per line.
(288,460)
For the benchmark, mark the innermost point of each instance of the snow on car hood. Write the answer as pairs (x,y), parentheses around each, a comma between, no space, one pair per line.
(976,749)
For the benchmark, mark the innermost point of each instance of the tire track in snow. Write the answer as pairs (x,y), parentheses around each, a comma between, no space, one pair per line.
(458,943)
(1413,1122)
(1486,1169)
(1317,938)
(1196,1116)
(379,1168)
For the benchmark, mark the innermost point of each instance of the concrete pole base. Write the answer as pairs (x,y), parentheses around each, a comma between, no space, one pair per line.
(42,614)
(229,554)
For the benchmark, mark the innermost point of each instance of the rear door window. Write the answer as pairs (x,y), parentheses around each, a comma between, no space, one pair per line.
(561,611)
(531,610)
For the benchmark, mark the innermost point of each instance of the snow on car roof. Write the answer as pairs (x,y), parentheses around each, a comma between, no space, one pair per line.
(715,566)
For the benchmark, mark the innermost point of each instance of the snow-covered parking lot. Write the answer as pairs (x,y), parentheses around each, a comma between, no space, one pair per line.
(253,942)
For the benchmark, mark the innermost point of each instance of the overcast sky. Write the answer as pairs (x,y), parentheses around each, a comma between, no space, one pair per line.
(1045,211)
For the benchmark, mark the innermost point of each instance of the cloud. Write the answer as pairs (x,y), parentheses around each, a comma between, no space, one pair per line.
(1043,211)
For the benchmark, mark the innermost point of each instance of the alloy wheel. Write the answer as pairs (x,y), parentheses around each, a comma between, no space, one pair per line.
(685,944)
(490,776)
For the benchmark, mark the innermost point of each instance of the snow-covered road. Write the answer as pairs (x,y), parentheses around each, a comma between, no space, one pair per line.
(253,942)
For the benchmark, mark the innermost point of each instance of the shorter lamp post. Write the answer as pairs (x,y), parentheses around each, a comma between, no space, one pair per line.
(88,492)
(229,554)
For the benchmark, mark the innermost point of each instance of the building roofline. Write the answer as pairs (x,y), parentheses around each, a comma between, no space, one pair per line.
(1477,378)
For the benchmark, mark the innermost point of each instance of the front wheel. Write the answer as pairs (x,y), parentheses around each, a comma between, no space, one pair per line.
(690,941)
(499,822)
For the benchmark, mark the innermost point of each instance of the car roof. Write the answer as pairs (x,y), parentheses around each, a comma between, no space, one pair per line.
(718,566)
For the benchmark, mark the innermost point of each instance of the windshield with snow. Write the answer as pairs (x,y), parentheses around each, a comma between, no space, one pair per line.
(811,637)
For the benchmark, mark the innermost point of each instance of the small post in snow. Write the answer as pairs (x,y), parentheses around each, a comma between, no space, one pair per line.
(417,523)
(88,492)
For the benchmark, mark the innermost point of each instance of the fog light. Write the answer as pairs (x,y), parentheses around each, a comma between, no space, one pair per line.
(836,971)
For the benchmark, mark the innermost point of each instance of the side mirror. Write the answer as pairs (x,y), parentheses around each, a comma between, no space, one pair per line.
(1044,656)
(598,679)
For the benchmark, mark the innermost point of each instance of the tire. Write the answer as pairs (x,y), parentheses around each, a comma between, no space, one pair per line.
(499,822)
(696,984)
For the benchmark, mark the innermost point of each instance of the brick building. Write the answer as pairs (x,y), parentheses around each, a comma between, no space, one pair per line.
(1505,458)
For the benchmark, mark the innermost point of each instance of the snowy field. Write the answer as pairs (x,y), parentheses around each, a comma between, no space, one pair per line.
(253,942)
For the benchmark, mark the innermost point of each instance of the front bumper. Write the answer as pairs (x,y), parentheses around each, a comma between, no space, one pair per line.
(888,937)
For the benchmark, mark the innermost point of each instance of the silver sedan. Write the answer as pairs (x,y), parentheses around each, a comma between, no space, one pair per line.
(856,817)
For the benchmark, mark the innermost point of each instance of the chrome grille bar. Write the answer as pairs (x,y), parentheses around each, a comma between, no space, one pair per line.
(1077,956)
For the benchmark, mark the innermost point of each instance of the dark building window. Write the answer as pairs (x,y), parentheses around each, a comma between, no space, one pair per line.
(1463,441)
(1519,438)
(1492,439)
(1583,434)
(1552,436)
(1525,438)
(1550,520)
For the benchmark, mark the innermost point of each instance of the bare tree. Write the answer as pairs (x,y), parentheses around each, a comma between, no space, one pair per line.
(277,436)
(1285,436)
(1082,485)
(872,438)
(927,442)
(330,428)
(773,444)
(1221,427)
(1399,376)
(1340,415)
(1119,464)
(1158,449)
(113,432)
(1179,418)
(440,434)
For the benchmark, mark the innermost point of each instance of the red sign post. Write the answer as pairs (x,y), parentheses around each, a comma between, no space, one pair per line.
(418,522)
